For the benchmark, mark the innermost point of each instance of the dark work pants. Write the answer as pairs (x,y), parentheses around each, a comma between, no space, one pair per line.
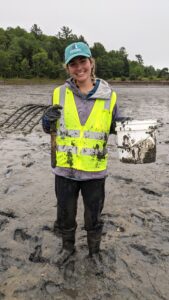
(67,192)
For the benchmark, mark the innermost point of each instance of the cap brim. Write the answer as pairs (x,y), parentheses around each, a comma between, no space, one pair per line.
(76,55)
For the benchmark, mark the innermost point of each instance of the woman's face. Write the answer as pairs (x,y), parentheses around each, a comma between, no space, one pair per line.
(80,69)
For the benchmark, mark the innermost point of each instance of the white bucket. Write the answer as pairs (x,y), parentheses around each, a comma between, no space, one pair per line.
(136,141)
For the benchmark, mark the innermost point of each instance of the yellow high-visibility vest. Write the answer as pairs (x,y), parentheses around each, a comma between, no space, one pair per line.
(82,147)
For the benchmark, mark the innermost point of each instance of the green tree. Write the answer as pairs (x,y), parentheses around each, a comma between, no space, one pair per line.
(66,37)
(123,52)
(126,67)
(3,40)
(98,50)
(15,56)
(53,47)
(36,31)
(124,56)
(149,72)
(117,63)
(29,46)
(136,70)
(66,34)
(40,63)
(163,73)
(4,64)
(25,70)
(139,59)
(104,67)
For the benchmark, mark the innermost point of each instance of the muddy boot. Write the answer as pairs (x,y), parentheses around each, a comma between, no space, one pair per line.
(94,239)
(68,248)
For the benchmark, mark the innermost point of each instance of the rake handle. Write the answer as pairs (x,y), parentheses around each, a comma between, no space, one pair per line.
(53,144)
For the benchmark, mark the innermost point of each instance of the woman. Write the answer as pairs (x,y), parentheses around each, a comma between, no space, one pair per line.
(88,115)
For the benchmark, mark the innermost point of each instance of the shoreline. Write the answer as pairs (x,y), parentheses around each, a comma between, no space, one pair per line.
(34,81)
(138,82)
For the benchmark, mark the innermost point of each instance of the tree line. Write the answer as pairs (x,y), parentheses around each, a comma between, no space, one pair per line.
(33,54)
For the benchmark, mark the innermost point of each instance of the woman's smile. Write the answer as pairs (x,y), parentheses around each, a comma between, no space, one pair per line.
(80,69)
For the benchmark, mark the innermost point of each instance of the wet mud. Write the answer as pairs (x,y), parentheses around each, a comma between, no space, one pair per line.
(135,240)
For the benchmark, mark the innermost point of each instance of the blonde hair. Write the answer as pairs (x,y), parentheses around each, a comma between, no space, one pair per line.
(93,75)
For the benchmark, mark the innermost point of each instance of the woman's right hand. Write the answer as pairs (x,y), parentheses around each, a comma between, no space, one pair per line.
(53,113)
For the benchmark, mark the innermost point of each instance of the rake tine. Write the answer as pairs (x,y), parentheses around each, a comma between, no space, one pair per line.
(37,122)
(15,112)
(41,109)
(27,114)
(21,114)
(39,119)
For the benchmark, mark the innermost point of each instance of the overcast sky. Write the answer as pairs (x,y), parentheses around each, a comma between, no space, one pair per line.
(141,26)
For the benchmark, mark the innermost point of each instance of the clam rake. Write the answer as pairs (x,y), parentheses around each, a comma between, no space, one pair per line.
(24,118)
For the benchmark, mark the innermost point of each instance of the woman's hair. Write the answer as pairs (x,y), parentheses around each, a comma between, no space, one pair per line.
(93,75)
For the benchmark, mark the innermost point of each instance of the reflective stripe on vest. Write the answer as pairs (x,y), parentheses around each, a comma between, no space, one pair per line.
(82,147)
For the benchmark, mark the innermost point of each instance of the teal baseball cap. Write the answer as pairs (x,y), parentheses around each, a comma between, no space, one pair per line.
(76,49)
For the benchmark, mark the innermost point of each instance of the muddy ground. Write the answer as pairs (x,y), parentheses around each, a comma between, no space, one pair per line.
(135,243)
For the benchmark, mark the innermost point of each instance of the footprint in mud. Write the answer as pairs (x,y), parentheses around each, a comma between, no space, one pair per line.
(3,224)
(54,289)
(6,260)
(9,214)
(71,293)
(27,160)
(125,179)
(109,260)
(15,187)
(2,296)
(4,253)
(35,243)
(21,139)
(109,224)
(5,221)
(28,164)
(51,288)
(69,269)
(20,235)
(8,173)
(98,265)
(24,292)
(36,256)
(138,219)
(151,255)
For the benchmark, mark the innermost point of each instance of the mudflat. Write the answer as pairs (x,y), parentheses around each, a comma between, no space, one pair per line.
(135,243)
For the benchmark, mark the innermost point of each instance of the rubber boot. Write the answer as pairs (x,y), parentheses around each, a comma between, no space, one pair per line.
(94,240)
(68,247)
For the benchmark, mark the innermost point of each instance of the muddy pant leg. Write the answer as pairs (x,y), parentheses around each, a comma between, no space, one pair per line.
(93,192)
(67,192)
